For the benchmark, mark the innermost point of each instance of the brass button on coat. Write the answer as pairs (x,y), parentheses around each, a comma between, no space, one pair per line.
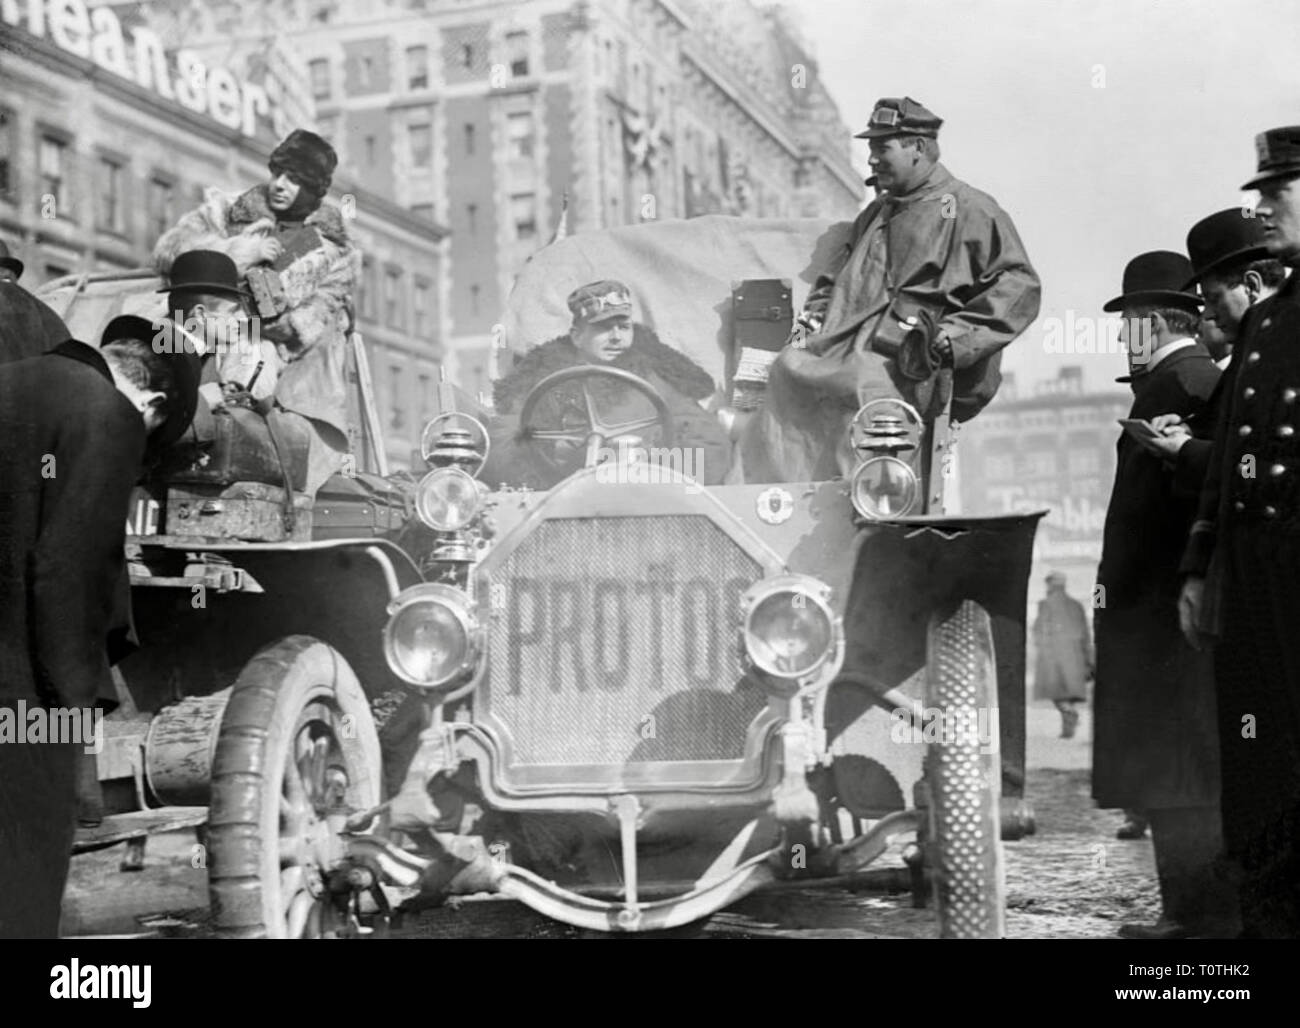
(1288,395)
(1244,431)
(1253,358)
(1270,512)
(1248,392)
(1277,470)
(1285,431)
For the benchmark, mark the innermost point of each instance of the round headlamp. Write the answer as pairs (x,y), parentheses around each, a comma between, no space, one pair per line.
(432,637)
(883,488)
(789,629)
(447,499)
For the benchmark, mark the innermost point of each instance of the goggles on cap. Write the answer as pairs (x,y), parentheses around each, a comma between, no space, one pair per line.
(886,116)
(591,306)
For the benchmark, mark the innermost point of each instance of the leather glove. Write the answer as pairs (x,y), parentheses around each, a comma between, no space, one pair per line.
(920,354)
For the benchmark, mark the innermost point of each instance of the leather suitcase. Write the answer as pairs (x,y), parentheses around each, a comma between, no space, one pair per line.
(234,445)
(358,506)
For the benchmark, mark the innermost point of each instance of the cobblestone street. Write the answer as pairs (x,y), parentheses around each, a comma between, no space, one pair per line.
(1072,879)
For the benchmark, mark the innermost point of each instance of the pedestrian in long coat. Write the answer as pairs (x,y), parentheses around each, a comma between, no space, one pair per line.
(1154,744)
(934,280)
(28,327)
(1063,662)
(75,423)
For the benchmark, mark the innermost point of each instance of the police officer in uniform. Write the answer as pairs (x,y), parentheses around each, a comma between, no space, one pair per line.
(1243,570)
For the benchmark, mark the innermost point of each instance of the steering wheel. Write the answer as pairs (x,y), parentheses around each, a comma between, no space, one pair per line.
(592,433)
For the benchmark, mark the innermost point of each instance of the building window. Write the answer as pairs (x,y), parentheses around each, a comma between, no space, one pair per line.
(110,194)
(367,72)
(420,309)
(1000,465)
(417,67)
(393,299)
(471,212)
(426,397)
(473,300)
(519,134)
(370,149)
(523,209)
(422,210)
(1040,465)
(421,145)
(1084,462)
(517,54)
(469,138)
(161,205)
(320,78)
(395,404)
(367,300)
(8,127)
(52,161)
(466,55)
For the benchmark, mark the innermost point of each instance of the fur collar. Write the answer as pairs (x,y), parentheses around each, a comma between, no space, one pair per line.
(252,206)
(646,356)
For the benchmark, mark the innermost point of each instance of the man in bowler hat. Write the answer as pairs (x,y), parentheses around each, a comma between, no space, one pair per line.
(1154,745)
(1234,272)
(1243,568)
(75,423)
(931,286)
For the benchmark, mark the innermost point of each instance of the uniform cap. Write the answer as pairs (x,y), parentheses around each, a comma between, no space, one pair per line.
(600,301)
(900,116)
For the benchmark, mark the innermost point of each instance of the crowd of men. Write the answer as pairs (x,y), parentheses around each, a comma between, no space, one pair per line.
(1198,664)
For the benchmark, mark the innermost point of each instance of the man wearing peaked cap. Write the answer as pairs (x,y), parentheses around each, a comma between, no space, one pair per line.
(1154,746)
(918,306)
(75,424)
(604,333)
(1242,566)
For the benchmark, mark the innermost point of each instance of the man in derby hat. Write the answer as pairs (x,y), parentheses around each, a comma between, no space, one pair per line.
(1154,745)
(1234,272)
(1243,568)
(76,423)
(293,252)
(932,284)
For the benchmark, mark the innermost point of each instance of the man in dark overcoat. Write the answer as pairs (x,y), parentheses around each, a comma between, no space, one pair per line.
(75,423)
(1243,568)
(1154,746)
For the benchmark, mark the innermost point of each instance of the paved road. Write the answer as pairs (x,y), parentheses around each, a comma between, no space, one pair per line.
(1072,879)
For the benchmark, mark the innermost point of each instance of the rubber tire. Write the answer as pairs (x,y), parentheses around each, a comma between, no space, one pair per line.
(964,831)
(257,727)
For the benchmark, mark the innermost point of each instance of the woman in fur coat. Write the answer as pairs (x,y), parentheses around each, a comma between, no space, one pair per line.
(292,247)
(604,334)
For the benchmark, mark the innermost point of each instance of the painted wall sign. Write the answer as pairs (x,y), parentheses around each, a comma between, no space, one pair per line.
(97,35)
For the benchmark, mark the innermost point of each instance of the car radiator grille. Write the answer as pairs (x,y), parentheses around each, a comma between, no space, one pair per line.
(614,640)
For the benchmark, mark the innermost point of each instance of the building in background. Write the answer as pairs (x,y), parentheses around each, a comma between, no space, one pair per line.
(1052,448)
(486,115)
(107,136)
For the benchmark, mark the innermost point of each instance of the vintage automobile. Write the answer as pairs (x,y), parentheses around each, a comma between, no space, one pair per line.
(627,700)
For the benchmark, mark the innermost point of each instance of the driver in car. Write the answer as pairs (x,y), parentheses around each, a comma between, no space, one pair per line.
(604,334)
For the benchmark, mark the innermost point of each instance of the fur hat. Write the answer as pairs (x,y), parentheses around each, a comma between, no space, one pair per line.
(308,159)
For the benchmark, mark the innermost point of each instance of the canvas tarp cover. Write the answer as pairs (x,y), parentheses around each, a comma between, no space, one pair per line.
(680,273)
